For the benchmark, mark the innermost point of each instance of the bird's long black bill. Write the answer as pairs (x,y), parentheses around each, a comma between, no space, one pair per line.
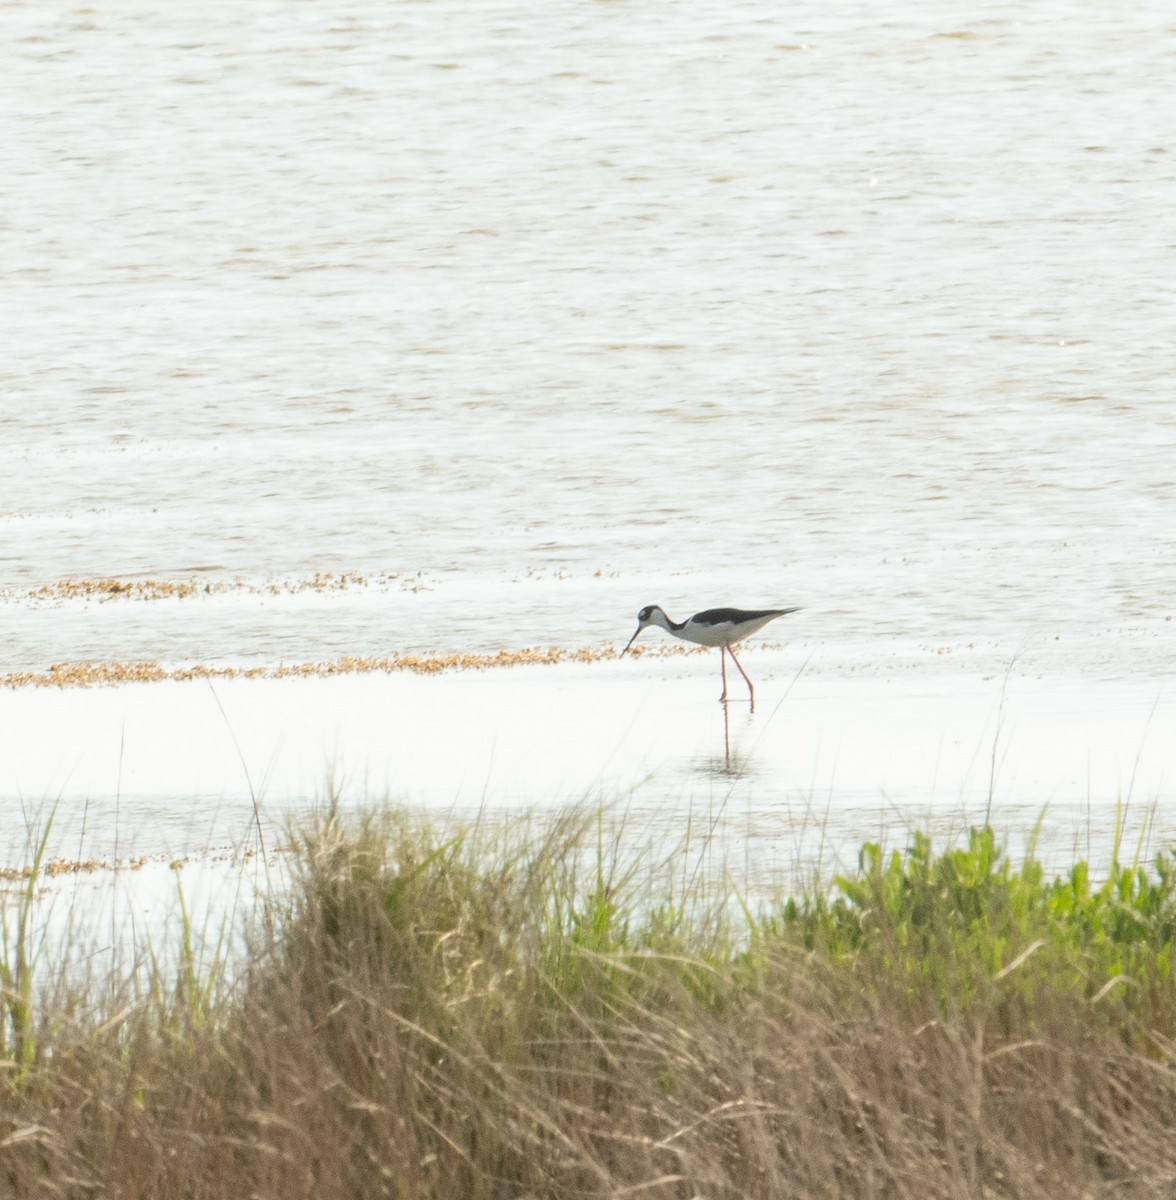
(631,641)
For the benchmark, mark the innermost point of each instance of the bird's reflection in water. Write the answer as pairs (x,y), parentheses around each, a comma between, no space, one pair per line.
(735,762)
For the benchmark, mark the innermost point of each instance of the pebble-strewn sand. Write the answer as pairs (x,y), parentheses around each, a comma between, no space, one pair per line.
(97,674)
(170,589)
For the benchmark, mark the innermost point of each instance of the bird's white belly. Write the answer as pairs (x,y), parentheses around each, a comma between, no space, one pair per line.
(711,635)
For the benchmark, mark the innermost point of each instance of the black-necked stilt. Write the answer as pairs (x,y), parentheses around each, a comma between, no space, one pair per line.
(722,627)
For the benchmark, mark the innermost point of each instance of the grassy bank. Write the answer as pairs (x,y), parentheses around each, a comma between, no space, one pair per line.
(526,1012)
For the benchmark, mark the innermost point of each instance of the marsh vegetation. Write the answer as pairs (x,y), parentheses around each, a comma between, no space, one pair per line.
(532,1010)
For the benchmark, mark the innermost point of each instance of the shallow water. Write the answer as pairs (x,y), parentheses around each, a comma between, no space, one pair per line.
(174,769)
(530,318)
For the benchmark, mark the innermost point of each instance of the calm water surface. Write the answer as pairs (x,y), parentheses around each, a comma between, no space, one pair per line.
(534,314)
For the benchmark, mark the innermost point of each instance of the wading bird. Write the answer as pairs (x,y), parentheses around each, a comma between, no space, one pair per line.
(722,627)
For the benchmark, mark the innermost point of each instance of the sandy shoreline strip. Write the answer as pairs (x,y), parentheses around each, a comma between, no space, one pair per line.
(100,674)
(111,588)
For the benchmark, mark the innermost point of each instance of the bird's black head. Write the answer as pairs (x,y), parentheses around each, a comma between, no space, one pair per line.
(644,618)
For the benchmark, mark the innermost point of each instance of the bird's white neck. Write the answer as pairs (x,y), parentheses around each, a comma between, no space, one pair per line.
(659,618)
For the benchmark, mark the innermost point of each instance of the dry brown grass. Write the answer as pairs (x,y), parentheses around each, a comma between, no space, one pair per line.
(488,1018)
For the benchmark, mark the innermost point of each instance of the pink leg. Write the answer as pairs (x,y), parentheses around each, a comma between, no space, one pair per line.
(723,661)
(742,672)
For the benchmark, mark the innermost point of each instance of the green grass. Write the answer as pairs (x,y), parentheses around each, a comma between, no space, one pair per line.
(18,1044)
(969,929)
(535,1011)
